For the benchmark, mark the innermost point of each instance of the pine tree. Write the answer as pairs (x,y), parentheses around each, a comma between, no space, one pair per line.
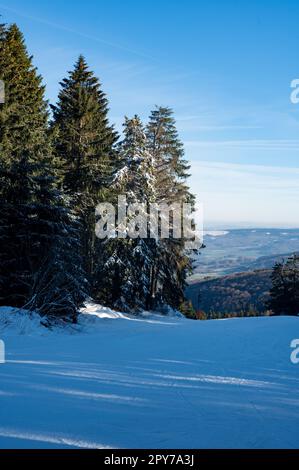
(23,120)
(34,222)
(84,143)
(187,309)
(172,264)
(168,151)
(284,294)
(126,262)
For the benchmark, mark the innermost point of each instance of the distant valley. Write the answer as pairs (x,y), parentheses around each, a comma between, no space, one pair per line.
(241,250)
(232,274)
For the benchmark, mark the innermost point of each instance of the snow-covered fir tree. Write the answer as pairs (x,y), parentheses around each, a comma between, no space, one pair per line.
(126,262)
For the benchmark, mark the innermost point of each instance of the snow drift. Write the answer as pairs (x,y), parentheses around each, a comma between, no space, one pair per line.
(120,381)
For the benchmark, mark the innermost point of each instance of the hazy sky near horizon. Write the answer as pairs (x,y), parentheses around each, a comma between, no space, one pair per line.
(225,67)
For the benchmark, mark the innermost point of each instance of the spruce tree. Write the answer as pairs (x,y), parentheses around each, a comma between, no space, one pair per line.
(284,294)
(172,168)
(172,263)
(23,121)
(84,143)
(35,224)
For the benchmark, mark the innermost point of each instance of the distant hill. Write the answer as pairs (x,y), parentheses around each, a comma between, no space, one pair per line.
(233,251)
(233,293)
(263,262)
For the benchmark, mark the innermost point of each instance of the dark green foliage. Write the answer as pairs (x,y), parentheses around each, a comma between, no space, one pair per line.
(186,308)
(84,152)
(24,116)
(172,169)
(284,294)
(59,286)
(171,262)
(234,293)
(35,225)
(52,179)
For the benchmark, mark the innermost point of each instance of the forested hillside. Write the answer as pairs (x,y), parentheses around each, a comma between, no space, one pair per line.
(240,293)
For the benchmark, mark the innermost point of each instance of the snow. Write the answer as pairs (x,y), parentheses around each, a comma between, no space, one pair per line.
(118,381)
(19,322)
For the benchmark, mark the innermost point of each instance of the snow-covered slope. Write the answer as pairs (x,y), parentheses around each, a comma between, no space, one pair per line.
(151,382)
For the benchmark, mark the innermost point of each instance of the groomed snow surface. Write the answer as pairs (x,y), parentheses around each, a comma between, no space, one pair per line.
(116,381)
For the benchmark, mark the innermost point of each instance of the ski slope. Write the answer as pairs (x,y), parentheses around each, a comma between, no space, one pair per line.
(116,381)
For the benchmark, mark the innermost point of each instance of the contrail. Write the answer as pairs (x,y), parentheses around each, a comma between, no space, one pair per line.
(73,31)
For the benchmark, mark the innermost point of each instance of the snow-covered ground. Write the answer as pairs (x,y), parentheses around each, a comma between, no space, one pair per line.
(121,382)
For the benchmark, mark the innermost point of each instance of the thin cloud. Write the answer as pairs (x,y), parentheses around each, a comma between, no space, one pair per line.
(271,144)
(269,169)
(258,194)
(78,33)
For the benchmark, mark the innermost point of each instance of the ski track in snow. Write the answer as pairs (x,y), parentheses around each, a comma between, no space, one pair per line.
(116,381)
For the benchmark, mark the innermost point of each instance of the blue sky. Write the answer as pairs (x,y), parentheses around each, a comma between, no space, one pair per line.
(224,66)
